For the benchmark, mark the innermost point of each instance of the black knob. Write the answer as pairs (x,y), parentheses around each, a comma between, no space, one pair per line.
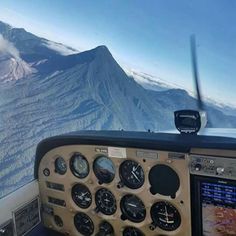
(46,172)
(152,226)
(120,184)
(198,167)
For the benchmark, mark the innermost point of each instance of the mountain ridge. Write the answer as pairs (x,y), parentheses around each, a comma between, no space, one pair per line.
(87,90)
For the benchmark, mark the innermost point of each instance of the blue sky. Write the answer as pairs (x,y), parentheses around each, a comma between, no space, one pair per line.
(150,35)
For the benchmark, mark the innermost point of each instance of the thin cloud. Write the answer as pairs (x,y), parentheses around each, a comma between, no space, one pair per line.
(7,47)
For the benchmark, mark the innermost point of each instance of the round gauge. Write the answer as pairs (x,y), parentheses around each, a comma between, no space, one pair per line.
(165,216)
(132,231)
(105,201)
(105,228)
(81,196)
(104,169)
(79,166)
(83,224)
(132,174)
(60,166)
(132,208)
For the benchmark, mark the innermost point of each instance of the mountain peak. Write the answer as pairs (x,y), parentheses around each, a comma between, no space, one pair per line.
(102,48)
(102,51)
(5,24)
(4,27)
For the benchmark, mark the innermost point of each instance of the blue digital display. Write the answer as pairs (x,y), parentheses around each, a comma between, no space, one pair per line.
(219,194)
(218,209)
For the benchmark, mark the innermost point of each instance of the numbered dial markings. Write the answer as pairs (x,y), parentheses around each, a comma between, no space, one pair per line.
(81,196)
(60,166)
(105,201)
(132,231)
(84,224)
(132,208)
(165,216)
(79,165)
(132,174)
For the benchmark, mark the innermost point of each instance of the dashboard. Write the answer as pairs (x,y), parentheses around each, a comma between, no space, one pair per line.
(135,184)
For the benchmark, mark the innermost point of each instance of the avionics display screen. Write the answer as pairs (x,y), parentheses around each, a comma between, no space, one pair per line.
(218,202)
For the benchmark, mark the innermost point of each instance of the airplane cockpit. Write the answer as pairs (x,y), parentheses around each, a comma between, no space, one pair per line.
(108,183)
(96,142)
(121,183)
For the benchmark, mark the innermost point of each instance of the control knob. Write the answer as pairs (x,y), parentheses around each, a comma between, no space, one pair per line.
(197,167)
(220,170)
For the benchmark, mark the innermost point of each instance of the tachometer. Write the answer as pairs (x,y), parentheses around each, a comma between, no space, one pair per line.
(79,165)
(81,196)
(83,224)
(60,166)
(132,231)
(104,169)
(132,174)
(105,201)
(165,216)
(132,208)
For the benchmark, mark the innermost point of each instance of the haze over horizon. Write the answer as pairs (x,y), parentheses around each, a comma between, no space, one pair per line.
(152,37)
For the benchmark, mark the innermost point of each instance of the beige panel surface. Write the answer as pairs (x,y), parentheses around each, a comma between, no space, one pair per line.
(181,202)
(214,152)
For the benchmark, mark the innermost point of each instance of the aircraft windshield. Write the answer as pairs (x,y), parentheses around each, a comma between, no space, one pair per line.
(107,65)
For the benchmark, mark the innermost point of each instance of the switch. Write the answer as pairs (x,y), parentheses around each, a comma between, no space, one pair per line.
(198,167)
(220,170)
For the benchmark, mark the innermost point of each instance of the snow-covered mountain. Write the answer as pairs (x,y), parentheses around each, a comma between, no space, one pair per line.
(32,48)
(155,83)
(87,90)
(12,68)
(149,81)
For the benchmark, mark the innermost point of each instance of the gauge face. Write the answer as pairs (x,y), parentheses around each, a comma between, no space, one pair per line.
(105,201)
(83,224)
(132,208)
(105,228)
(81,196)
(165,216)
(60,166)
(132,174)
(104,169)
(132,231)
(79,166)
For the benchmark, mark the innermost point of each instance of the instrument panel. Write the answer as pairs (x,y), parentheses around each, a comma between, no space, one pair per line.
(101,190)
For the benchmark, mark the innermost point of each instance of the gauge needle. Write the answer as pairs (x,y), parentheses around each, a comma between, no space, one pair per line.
(167,216)
(136,177)
(163,214)
(163,220)
(106,200)
(133,205)
(170,222)
(135,168)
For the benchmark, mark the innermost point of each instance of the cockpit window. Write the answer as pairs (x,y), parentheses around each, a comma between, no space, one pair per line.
(108,65)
